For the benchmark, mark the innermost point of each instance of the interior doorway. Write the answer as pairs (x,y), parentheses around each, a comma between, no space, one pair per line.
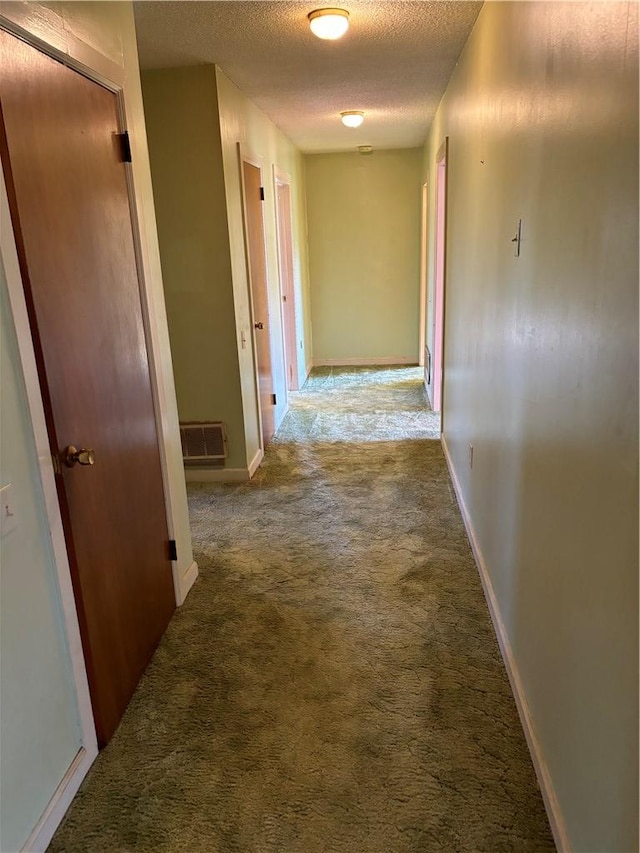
(423,355)
(282,184)
(253,192)
(70,210)
(439,277)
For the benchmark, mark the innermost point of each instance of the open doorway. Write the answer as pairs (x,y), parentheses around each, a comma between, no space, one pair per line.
(282,183)
(253,198)
(423,353)
(437,365)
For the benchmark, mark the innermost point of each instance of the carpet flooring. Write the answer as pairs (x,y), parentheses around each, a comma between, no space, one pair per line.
(333,683)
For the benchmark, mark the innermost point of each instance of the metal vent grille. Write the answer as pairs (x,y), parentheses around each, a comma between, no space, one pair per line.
(203,443)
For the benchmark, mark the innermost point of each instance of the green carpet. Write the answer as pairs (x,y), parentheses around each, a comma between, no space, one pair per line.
(333,683)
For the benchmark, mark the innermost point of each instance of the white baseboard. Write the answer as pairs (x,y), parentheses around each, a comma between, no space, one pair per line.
(549,797)
(255,462)
(216,475)
(57,807)
(224,475)
(187,581)
(364,362)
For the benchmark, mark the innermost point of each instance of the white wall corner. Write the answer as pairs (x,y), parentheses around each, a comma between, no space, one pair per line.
(552,806)
(187,580)
(255,462)
(427,389)
(155,314)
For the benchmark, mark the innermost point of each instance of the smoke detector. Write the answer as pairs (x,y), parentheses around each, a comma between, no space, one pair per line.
(365,149)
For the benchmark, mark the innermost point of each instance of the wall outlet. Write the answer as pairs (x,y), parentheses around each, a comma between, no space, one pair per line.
(471,456)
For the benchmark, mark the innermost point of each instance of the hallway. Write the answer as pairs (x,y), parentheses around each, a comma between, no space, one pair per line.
(333,684)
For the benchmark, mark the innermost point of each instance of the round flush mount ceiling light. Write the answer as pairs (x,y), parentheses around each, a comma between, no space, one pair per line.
(352,118)
(329,23)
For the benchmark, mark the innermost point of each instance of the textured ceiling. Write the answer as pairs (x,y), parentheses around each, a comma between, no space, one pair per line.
(394,62)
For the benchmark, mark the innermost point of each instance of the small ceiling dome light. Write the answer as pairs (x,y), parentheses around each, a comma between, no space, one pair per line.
(329,23)
(352,118)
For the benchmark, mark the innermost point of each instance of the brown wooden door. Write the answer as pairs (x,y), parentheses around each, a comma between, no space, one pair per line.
(70,210)
(285,250)
(258,276)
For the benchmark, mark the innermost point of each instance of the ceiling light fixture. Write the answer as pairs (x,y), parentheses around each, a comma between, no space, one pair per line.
(352,118)
(329,23)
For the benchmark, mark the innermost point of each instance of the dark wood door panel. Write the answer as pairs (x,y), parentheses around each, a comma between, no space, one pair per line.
(70,210)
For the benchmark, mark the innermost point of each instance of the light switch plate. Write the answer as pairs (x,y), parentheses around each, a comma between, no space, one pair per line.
(8,517)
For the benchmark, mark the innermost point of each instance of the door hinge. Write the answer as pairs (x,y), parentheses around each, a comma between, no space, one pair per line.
(173,550)
(125,146)
(56,464)
(261,193)
(273,399)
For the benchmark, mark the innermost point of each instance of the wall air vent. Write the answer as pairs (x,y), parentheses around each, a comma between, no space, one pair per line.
(203,444)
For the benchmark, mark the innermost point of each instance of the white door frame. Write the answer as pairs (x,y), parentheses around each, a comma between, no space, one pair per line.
(245,156)
(422,333)
(441,173)
(281,178)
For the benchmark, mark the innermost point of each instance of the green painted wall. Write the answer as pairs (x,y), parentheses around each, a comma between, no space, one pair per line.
(181,110)
(364,247)
(196,117)
(541,375)
(242,123)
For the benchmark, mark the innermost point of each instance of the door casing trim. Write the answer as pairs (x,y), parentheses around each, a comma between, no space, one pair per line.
(281,178)
(45,829)
(245,156)
(424,253)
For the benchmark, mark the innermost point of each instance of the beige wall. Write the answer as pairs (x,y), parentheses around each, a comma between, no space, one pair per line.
(242,122)
(196,117)
(39,720)
(541,356)
(181,110)
(364,245)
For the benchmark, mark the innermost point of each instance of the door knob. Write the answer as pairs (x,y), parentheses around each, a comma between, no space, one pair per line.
(258,326)
(83,457)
